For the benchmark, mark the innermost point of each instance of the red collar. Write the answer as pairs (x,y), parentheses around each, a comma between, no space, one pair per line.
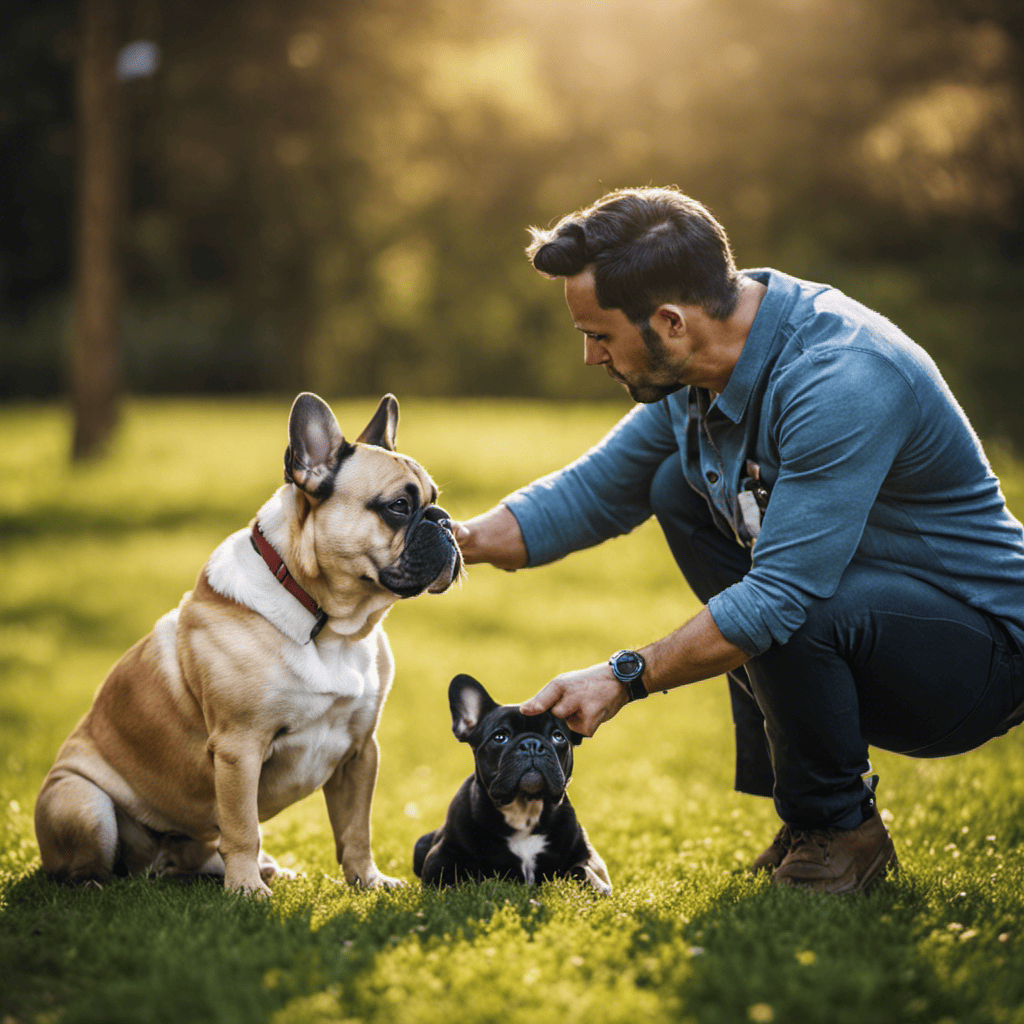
(285,578)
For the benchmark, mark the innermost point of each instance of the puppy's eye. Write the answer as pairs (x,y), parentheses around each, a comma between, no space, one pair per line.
(400,507)
(558,738)
(500,737)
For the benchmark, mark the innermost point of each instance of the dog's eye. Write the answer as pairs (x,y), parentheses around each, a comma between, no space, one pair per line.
(400,507)
(558,738)
(500,737)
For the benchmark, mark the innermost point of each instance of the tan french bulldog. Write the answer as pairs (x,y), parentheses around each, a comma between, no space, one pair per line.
(265,683)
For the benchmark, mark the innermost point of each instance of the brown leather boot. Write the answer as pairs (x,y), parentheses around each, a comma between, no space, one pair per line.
(771,858)
(838,860)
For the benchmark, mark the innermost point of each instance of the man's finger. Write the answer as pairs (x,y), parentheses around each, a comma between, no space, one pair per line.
(544,699)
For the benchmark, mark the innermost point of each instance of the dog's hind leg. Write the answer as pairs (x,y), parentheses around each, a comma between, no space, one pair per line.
(420,851)
(76,827)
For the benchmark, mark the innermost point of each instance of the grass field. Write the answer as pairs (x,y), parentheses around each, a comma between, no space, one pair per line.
(93,555)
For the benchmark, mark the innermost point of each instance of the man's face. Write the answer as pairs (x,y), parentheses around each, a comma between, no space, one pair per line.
(638,358)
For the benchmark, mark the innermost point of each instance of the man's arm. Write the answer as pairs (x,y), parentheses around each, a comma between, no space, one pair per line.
(590,696)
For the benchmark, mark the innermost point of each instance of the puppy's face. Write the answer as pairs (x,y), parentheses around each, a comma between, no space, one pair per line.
(520,759)
(366,515)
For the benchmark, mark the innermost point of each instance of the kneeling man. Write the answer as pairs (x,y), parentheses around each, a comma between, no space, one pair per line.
(824,496)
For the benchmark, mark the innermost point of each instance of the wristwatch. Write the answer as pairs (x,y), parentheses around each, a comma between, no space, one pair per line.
(628,667)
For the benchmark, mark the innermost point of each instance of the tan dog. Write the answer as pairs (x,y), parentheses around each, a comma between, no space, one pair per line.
(266,683)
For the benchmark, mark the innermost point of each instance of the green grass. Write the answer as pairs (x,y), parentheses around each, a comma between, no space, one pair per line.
(93,555)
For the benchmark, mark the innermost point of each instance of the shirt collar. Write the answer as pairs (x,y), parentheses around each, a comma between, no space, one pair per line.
(762,339)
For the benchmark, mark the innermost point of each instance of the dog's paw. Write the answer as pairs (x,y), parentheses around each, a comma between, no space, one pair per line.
(253,886)
(376,880)
(269,868)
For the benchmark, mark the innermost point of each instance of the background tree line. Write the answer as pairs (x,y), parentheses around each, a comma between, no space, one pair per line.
(333,194)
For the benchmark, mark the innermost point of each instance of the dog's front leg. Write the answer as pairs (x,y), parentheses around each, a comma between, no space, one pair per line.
(349,794)
(236,764)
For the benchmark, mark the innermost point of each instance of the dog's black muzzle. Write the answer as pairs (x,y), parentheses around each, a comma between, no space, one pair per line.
(530,768)
(431,560)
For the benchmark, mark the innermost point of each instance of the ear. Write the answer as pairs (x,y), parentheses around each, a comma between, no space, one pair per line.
(671,317)
(469,702)
(382,428)
(317,447)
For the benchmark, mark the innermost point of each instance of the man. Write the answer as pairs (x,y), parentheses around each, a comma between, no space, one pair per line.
(823,495)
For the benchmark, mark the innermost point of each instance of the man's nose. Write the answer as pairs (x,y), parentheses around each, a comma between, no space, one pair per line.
(594,353)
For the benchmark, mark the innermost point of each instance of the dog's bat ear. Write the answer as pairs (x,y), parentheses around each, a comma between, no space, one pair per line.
(383,427)
(317,446)
(576,738)
(469,702)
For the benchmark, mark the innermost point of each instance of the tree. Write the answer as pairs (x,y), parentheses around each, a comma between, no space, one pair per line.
(96,351)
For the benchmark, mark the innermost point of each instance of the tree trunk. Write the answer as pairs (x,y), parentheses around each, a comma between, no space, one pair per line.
(95,346)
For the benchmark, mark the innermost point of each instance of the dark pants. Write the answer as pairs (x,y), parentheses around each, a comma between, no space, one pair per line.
(888,660)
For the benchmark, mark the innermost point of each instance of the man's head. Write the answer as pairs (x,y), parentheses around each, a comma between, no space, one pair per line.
(644,246)
(642,268)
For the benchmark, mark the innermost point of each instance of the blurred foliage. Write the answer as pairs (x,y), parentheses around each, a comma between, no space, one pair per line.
(334,193)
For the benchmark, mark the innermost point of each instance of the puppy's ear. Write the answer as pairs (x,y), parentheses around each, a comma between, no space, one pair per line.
(317,447)
(383,427)
(469,702)
(576,738)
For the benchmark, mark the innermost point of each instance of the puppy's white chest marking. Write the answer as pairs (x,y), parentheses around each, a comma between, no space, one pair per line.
(522,815)
(527,847)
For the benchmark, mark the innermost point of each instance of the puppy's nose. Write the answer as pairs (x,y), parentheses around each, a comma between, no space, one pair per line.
(530,745)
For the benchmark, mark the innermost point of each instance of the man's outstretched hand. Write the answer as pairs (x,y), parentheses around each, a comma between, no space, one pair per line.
(584,698)
(493,537)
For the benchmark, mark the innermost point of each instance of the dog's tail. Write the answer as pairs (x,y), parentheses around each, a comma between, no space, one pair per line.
(420,851)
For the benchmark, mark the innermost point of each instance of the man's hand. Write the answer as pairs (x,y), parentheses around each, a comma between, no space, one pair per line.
(585,698)
(493,537)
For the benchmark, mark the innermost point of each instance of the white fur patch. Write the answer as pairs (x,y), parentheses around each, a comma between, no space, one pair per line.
(523,815)
(527,847)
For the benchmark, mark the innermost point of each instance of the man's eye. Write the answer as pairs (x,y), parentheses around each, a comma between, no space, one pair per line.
(558,738)
(400,507)
(500,737)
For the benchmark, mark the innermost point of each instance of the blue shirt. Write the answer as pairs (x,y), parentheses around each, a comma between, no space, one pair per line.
(862,446)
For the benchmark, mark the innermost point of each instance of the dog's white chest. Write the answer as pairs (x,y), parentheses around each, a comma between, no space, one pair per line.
(303,759)
(326,713)
(527,847)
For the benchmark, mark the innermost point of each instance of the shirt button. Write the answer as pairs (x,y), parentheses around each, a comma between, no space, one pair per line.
(712,476)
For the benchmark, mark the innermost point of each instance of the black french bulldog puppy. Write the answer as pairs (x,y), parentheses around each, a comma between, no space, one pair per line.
(511,818)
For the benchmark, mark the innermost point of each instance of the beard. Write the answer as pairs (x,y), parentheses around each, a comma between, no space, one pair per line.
(660,378)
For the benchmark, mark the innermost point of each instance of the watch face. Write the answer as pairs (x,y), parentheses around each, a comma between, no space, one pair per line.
(628,663)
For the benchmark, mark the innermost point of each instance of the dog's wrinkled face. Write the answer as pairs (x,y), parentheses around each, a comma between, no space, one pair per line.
(366,516)
(519,758)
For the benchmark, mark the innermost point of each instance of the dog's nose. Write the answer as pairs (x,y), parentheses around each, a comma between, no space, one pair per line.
(530,745)
(436,514)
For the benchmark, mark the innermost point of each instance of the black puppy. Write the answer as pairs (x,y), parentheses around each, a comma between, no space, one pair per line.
(511,818)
